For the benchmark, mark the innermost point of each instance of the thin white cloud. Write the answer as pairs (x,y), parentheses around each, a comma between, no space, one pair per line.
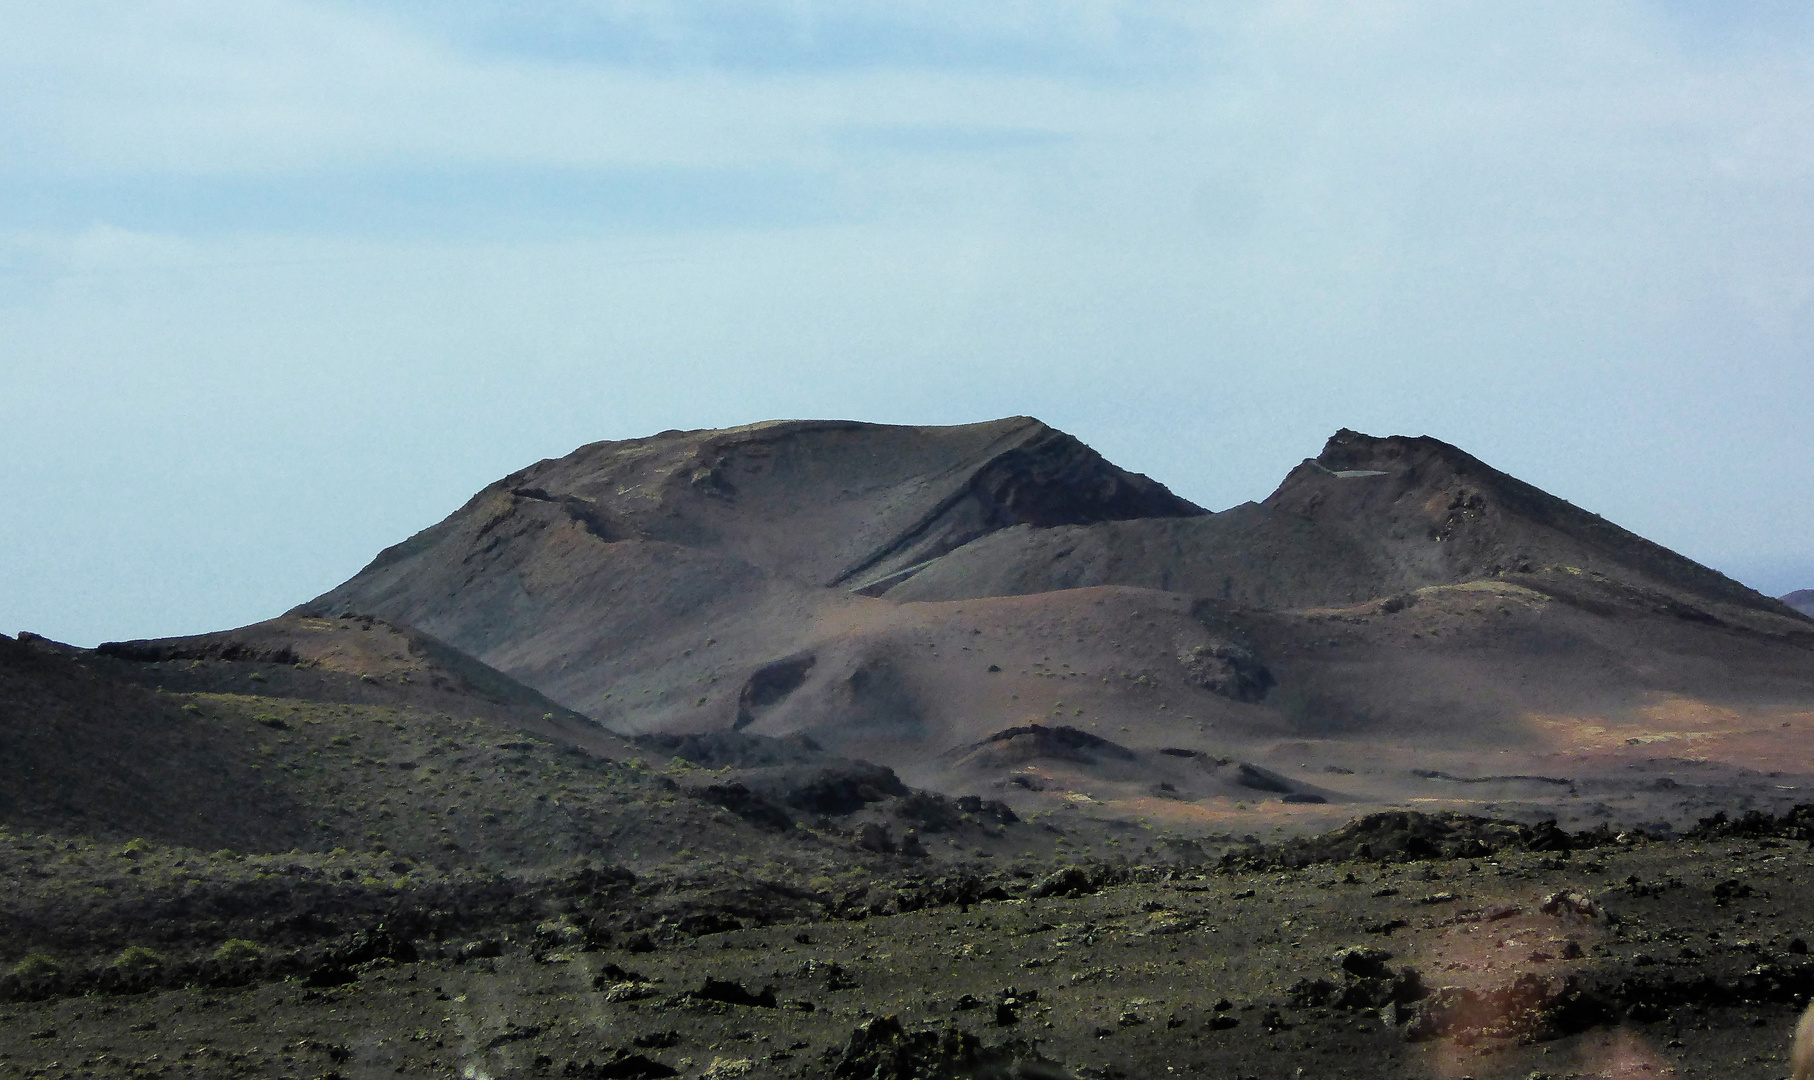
(226,87)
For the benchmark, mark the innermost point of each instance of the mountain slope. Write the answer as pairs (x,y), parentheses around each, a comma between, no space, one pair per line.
(363,661)
(1367,518)
(613,564)
(83,752)
(899,594)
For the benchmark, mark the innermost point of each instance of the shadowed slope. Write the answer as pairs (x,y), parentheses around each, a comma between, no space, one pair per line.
(83,752)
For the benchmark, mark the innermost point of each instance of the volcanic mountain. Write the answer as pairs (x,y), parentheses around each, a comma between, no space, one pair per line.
(1398,620)
(1801,600)
(343,841)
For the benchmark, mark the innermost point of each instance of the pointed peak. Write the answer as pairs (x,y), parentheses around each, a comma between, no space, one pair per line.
(1349,450)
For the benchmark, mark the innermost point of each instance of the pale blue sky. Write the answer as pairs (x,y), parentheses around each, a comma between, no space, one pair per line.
(282,282)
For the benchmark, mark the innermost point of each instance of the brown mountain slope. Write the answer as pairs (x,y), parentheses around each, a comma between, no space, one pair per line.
(609,567)
(1396,608)
(303,735)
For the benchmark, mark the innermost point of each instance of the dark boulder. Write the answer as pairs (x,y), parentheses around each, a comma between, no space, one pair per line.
(882,1049)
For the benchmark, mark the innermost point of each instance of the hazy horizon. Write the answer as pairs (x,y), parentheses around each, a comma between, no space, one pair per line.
(282,284)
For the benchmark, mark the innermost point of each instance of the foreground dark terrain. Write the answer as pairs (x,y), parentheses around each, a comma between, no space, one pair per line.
(835,750)
(1638,959)
(456,887)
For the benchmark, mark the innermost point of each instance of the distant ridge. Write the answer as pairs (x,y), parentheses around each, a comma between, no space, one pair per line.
(1368,517)
(1801,600)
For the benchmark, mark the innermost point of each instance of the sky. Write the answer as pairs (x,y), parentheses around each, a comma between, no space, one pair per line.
(284,281)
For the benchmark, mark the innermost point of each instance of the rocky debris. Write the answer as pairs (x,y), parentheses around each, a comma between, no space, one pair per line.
(834,974)
(875,837)
(882,1049)
(1009,1002)
(611,973)
(1000,812)
(934,813)
(1531,1007)
(621,1065)
(1365,982)
(845,789)
(716,905)
(482,949)
(1363,961)
(596,882)
(735,749)
(1182,851)
(345,959)
(1653,959)
(1546,836)
(1565,904)
(733,993)
(624,991)
(1796,824)
(1396,836)
(1228,669)
(640,942)
(561,935)
(1534,1007)
(1731,889)
(748,805)
(928,812)
(912,892)
(1070,881)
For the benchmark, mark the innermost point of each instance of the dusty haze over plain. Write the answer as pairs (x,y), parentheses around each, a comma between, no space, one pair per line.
(283,283)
